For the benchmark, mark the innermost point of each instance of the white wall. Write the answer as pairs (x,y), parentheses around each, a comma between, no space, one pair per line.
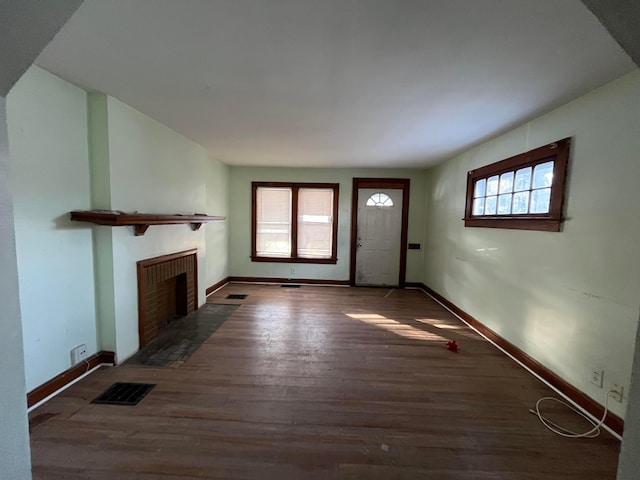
(50,177)
(152,170)
(14,434)
(568,299)
(240,179)
(217,233)
(137,164)
(629,465)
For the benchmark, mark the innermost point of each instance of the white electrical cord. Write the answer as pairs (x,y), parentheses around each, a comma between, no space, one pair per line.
(564,432)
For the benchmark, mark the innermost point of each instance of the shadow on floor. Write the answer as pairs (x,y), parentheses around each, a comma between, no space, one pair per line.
(177,341)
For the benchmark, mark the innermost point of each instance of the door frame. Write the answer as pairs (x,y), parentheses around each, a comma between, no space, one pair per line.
(397,183)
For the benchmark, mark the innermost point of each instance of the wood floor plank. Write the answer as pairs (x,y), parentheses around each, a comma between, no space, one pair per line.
(320,382)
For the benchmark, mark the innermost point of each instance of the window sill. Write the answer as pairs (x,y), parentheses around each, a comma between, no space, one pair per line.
(530,223)
(294,260)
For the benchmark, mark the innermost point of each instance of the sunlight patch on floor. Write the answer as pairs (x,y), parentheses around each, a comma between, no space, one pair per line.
(438,324)
(462,329)
(393,326)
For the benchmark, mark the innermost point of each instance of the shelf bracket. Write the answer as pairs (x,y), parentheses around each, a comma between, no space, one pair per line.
(140,229)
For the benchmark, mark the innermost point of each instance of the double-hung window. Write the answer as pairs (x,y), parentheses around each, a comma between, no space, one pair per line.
(294,222)
(524,192)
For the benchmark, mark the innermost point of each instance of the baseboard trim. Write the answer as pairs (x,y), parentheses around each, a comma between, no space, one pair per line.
(612,421)
(301,281)
(68,376)
(218,285)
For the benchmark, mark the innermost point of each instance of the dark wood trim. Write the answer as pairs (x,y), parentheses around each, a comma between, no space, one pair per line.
(140,221)
(254,219)
(336,209)
(141,265)
(404,234)
(295,184)
(301,281)
(139,230)
(295,260)
(559,153)
(295,187)
(107,357)
(396,183)
(613,421)
(218,285)
(511,223)
(294,224)
(141,291)
(68,376)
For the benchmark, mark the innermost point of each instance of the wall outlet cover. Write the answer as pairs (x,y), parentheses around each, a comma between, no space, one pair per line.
(617,391)
(596,376)
(78,354)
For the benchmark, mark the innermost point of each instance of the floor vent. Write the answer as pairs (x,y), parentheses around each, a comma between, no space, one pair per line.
(236,296)
(124,393)
(289,285)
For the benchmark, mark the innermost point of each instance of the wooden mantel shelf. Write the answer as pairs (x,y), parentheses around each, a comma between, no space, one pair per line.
(139,221)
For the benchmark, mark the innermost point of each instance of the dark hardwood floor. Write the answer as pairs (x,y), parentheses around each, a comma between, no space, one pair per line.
(320,383)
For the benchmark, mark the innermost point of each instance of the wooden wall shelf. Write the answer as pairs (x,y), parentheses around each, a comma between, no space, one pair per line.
(140,221)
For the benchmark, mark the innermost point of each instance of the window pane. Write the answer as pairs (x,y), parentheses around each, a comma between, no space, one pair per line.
(521,202)
(481,186)
(492,185)
(540,200)
(379,200)
(506,183)
(523,180)
(478,206)
(504,204)
(315,222)
(490,205)
(543,175)
(273,215)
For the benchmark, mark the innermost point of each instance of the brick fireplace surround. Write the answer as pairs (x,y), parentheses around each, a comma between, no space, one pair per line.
(167,286)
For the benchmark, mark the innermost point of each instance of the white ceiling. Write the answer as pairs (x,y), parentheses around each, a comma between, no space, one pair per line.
(382,83)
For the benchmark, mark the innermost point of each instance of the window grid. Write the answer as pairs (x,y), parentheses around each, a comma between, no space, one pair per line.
(524,192)
(273,224)
(379,200)
(302,229)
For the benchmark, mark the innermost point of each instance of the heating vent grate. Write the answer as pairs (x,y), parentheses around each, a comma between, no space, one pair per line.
(125,393)
(236,296)
(289,285)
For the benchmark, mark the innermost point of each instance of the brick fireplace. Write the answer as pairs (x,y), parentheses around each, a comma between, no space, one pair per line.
(167,287)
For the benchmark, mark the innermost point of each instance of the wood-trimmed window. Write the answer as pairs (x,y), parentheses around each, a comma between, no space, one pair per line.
(294,222)
(524,192)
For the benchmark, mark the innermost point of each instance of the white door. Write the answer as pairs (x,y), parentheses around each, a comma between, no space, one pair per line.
(378,236)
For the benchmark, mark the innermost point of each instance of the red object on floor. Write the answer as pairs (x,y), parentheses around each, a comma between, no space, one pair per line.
(452,345)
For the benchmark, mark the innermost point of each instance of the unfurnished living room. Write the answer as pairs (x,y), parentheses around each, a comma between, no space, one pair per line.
(320,239)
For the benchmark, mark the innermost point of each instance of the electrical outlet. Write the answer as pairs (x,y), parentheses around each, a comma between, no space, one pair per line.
(596,376)
(78,354)
(617,390)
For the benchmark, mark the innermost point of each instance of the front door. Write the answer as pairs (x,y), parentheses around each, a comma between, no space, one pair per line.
(379,236)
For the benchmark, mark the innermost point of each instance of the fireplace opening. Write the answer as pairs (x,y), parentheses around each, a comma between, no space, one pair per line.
(167,289)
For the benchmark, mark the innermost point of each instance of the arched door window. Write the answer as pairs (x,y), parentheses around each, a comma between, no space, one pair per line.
(379,200)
